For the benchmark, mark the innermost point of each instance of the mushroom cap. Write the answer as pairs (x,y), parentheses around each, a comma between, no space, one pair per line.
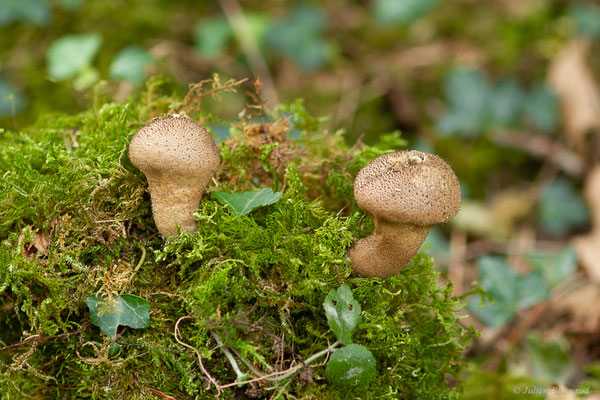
(408,187)
(174,145)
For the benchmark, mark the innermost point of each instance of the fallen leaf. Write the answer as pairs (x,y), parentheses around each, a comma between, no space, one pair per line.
(588,246)
(570,77)
(560,392)
(582,306)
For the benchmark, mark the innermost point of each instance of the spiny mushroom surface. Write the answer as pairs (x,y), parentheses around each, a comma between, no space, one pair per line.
(179,158)
(406,193)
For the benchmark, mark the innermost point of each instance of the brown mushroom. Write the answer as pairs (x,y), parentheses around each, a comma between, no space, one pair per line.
(179,158)
(406,193)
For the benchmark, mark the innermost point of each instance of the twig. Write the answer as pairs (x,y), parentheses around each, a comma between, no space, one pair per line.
(234,364)
(243,32)
(545,148)
(196,93)
(204,371)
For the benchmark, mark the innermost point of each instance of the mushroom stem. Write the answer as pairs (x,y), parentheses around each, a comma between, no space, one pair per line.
(172,198)
(389,248)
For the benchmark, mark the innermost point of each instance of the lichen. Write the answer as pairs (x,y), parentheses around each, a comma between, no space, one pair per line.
(75,215)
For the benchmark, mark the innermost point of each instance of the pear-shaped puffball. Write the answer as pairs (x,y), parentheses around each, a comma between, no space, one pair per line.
(179,158)
(406,193)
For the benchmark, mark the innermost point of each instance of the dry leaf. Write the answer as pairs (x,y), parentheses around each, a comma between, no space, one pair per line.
(560,392)
(571,79)
(40,242)
(582,306)
(588,246)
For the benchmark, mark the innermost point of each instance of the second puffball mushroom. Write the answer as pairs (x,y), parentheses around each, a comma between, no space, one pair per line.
(179,158)
(406,193)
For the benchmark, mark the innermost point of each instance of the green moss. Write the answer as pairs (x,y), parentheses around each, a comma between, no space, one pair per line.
(74,215)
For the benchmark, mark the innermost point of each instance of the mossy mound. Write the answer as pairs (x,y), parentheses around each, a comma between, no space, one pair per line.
(75,219)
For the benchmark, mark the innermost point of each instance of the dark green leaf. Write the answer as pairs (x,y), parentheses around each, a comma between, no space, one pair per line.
(531,289)
(129,64)
(343,313)
(300,37)
(500,282)
(555,267)
(352,365)
(243,203)
(34,12)
(541,108)
(586,16)
(561,208)
(550,360)
(212,36)
(506,102)
(468,93)
(71,55)
(496,313)
(11,99)
(403,12)
(508,291)
(108,313)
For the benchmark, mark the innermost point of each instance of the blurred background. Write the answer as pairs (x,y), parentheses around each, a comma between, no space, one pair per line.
(505,90)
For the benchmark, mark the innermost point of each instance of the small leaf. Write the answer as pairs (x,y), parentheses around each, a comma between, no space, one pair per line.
(468,94)
(243,203)
(500,282)
(550,360)
(531,289)
(212,36)
(403,12)
(129,64)
(352,365)
(586,16)
(343,313)
(71,54)
(36,12)
(555,267)
(541,108)
(127,309)
(114,349)
(561,208)
(10,98)
(506,102)
(300,37)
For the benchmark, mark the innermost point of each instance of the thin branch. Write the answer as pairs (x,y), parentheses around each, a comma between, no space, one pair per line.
(243,32)
(204,371)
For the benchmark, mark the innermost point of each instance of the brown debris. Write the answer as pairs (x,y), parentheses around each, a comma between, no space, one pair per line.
(588,246)
(571,78)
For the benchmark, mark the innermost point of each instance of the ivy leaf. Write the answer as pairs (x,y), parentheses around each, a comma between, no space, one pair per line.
(10,98)
(72,54)
(541,108)
(531,289)
(352,365)
(555,267)
(586,16)
(127,309)
(300,37)
(561,208)
(343,313)
(550,360)
(508,291)
(36,12)
(243,203)
(468,93)
(212,36)
(403,12)
(506,102)
(129,64)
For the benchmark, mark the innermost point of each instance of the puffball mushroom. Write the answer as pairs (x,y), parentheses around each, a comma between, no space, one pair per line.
(406,192)
(179,158)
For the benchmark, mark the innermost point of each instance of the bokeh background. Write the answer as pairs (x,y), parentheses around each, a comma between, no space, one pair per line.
(505,90)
